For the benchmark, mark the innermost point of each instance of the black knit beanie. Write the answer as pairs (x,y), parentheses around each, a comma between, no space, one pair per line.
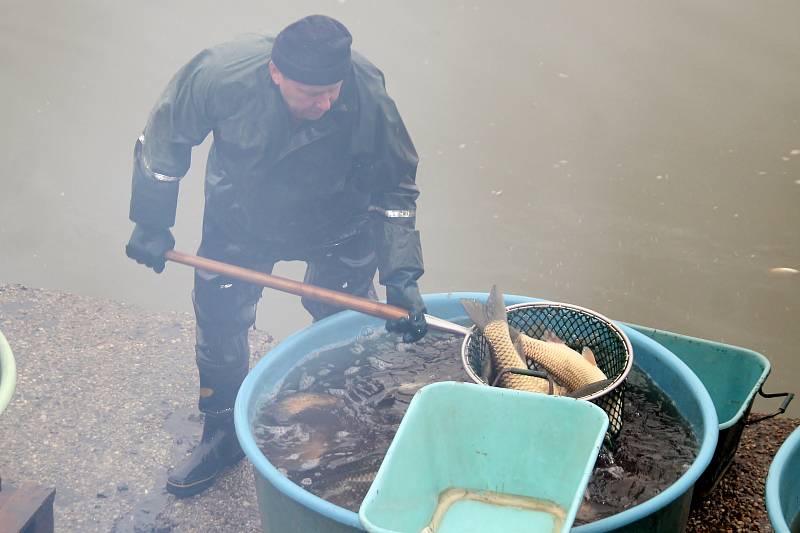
(315,50)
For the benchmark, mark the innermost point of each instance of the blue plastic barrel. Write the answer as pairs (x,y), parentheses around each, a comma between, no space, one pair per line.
(286,507)
(783,486)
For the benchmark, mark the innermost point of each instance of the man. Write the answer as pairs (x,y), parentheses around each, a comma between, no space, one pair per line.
(310,161)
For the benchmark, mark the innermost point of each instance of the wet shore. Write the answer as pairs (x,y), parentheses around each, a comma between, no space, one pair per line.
(105,404)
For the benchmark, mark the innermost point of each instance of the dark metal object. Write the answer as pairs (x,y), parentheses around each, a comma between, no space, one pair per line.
(527,372)
(727,445)
(27,508)
(782,409)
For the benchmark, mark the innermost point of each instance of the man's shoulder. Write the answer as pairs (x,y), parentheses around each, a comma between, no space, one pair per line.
(239,53)
(367,73)
(228,74)
(374,99)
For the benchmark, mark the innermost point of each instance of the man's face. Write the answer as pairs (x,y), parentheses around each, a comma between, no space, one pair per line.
(305,102)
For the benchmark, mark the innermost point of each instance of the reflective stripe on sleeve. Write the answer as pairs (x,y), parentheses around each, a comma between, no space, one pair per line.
(156,175)
(394,213)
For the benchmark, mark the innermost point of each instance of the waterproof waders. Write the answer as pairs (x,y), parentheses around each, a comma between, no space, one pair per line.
(224,312)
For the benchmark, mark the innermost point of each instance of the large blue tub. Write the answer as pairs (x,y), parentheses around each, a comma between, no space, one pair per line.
(287,508)
(783,485)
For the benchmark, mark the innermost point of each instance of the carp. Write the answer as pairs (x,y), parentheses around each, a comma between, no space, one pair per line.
(572,371)
(492,320)
(314,420)
(298,403)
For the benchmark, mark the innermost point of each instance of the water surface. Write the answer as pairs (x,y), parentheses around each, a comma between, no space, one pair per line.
(635,158)
(329,426)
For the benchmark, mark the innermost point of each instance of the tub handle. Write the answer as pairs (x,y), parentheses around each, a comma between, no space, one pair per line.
(781,409)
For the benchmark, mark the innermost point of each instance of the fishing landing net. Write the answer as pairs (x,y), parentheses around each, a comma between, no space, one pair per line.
(578,328)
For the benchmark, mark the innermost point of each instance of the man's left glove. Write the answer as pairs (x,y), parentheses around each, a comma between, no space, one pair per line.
(147,246)
(412,327)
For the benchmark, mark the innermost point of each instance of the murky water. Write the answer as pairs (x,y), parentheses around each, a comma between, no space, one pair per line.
(355,397)
(333,420)
(639,159)
(654,449)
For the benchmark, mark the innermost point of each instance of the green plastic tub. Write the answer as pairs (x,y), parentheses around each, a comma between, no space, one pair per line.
(471,458)
(8,373)
(783,486)
(732,376)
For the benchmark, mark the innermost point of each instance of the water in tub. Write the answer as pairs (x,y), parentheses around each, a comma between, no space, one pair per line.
(335,415)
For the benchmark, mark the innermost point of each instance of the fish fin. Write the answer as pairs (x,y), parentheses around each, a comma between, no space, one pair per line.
(588,354)
(482,314)
(486,369)
(476,311)
(550,336)
(495,305)
(516,338)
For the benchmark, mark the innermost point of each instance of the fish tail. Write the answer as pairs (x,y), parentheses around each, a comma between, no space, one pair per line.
(482,314)
(476,311)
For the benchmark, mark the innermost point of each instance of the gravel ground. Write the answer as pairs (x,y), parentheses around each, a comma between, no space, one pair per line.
(737,503)
(105,404)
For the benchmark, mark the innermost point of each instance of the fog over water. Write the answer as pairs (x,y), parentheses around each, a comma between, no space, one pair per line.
(641,159)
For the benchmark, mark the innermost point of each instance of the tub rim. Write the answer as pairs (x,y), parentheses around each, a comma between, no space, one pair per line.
(8,373)
(704,455)
(349,518)
(775,475)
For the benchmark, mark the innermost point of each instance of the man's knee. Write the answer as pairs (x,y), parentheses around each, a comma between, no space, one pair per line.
(223,304)
(347,273)
(224,312)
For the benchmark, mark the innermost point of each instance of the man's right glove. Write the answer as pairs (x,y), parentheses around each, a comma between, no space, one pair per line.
(413,327)
(147,246)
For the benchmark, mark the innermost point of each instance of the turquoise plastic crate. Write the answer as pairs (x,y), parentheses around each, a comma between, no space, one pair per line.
(485,459)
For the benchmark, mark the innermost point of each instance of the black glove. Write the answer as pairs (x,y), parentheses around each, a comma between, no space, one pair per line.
(148,246)
(412,327)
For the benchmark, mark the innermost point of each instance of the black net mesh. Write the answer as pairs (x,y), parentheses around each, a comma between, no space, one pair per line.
(578,328)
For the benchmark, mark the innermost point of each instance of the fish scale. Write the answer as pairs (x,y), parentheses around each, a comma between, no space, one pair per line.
(566,365)
(506,356)
(569,368)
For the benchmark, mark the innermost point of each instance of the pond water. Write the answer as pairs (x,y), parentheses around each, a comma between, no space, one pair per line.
(329,426)
(639,159)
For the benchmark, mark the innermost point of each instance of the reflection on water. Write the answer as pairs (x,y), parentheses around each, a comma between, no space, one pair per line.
(335,416)
(641,160)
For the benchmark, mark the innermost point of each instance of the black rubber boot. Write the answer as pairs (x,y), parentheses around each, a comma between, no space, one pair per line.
(218,450)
